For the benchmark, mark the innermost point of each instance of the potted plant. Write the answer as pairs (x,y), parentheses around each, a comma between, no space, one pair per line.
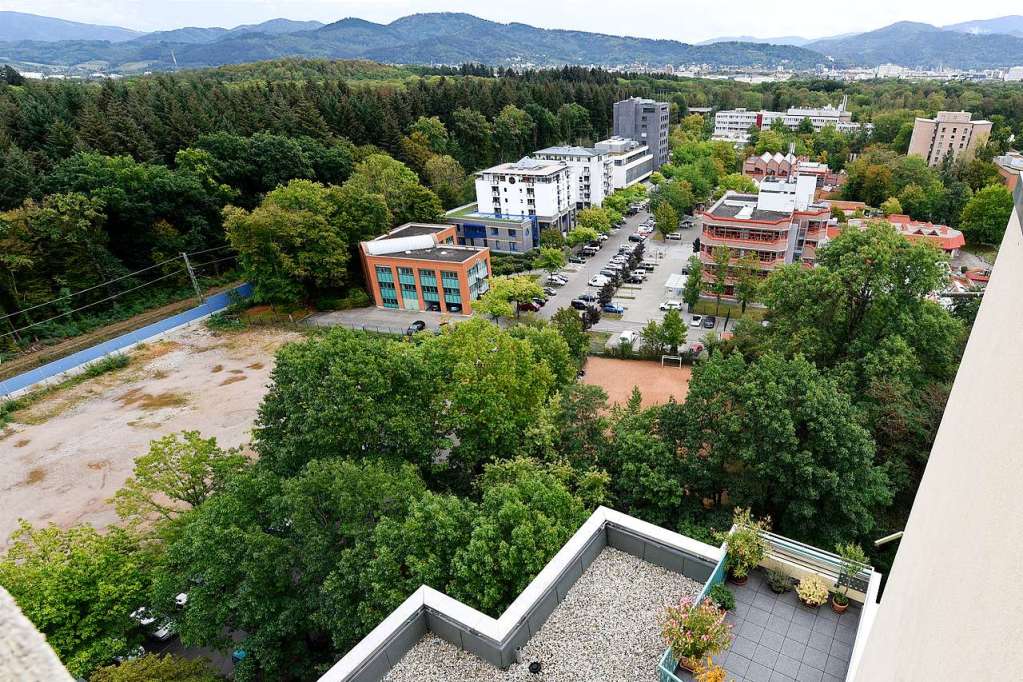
(853,561)
(693,631)
(746,545)
(710,672)
(779,582)
(812,591)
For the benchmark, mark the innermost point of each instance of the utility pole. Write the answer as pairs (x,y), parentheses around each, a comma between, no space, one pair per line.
(191,276)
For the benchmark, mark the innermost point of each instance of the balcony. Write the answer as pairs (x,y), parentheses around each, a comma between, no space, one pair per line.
(775,636)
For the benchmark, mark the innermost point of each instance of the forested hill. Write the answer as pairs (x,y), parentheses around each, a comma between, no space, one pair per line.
(440,38)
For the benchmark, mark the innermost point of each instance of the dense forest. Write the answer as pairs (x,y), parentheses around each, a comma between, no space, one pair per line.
(107,179)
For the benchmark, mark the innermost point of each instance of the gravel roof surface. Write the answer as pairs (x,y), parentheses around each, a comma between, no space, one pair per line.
(606,629)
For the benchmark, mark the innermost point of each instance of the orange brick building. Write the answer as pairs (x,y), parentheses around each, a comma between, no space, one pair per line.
(419,266)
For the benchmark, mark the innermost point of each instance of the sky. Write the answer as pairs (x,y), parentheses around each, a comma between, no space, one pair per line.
(684,20)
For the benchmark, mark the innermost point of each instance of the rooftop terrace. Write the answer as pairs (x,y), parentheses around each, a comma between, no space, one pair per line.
(605,629)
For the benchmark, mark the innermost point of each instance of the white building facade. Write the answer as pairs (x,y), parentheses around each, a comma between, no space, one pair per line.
(591,173)
(631,161)
(734,125)
(536,188)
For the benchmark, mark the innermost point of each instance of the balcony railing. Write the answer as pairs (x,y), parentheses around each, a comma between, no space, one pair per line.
(804,558)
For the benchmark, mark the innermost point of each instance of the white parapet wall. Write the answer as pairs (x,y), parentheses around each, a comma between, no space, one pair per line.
(495,640)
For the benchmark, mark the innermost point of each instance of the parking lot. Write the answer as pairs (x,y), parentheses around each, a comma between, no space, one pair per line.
(641,302)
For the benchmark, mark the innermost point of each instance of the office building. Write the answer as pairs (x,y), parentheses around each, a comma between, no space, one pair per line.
(734,125)
(631,161)
(646,121)
(591,172)
(533,188)
(419,267)
(781,224)
(949,133)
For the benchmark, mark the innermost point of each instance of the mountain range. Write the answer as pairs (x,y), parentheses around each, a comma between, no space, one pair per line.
(454,38)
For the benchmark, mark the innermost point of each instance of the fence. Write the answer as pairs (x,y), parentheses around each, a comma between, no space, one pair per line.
(77,361)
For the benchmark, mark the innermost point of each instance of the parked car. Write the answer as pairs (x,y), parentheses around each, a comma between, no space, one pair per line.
(620,259)
(589,250)
(671,304)
(576,259)
(557,280)
(539,300)
(161,631)
(674,236)
(528,306)
(454,307)
(602,238)
(597,280)
(635,278)
(696,321)
(550,291)
(433,306)
(415,327)
(710,322)
(636,237)
(579,304)
(628,336)
(648,264)
(613,309)
(588,297)
(608,272)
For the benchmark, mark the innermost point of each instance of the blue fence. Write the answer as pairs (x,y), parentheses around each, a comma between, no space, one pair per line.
(213,304)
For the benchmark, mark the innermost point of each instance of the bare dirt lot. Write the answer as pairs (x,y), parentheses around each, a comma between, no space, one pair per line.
(66,455)
(656,383)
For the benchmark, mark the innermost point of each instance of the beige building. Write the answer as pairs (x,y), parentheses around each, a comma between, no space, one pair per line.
(950,132)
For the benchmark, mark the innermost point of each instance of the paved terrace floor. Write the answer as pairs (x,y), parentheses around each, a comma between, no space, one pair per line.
(605,629)
(777,639)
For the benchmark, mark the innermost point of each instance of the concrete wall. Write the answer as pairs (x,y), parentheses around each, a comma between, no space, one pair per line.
(951,607)
(496,640)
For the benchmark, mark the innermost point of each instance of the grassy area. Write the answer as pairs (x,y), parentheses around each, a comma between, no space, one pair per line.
(108,364)
(704,307)
(598,340)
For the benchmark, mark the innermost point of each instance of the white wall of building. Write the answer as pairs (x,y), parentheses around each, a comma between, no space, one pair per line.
(544,193)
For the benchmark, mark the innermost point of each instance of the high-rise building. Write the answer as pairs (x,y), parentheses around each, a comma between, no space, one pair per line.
(535,188)
(645,121)
(949,133)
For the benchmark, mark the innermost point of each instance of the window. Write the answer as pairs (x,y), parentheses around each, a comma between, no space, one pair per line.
(384,274)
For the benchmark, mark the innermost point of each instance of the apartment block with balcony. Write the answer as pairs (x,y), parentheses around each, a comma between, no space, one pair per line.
(645,121)
(420,267)
(537,189)
(631,161)
(950,133)
(591,171)
(781,224)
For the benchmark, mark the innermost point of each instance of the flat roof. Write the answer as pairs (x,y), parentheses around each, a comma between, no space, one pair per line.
(607,626)
(413,230)
(472,211)
(442,254)
(527,166)
(569,151)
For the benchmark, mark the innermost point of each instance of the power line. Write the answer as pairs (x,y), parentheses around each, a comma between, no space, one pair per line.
(89,305)
(219,260)
(215,248)
(77,293)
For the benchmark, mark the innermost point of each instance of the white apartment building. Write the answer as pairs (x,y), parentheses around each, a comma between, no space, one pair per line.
(1013,74)
(591,172)
(734,125)
(531,187)
(631,161)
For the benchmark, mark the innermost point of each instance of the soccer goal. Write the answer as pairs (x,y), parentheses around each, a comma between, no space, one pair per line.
(671,360)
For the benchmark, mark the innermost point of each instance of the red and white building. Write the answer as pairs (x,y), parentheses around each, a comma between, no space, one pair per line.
(776,166)
(946,238)
(781,224)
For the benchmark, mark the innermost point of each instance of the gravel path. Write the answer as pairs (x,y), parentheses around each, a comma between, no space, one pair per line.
(606,629)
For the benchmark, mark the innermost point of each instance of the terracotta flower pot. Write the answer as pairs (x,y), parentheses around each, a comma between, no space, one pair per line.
(839,608)
(737,580)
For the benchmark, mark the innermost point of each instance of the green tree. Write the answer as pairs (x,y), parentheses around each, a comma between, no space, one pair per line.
(526,514)
(694,282)
(292,244)
(645,475)
(747,284)
(595,219)
(512,290)
(665,220)
(79,588)
(552,237)
(550,259)
(513,131)
(579,236)
(787,441)
(722,256)
(736,182)
(568,324)
(179,472)
(433,131)
(891,206)
(166,668)
(407,200)
(673,330)
(678,193)
(447,179)
(986,214)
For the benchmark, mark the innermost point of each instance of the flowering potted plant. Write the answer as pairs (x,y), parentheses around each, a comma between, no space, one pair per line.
(693,631)
(853,561)
(710,672)
(812,591)
(746,545)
